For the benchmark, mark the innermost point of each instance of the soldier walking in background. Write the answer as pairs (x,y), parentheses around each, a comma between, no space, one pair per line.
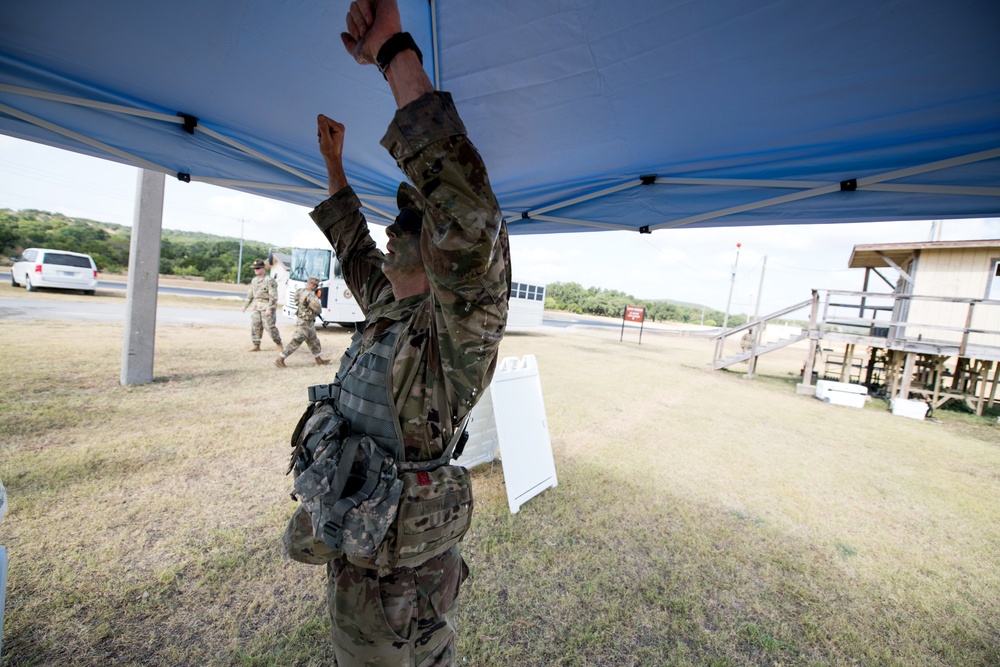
(307,307)
(263,294)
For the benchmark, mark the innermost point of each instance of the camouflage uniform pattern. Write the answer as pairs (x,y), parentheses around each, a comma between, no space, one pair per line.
(263,296)
(307,307)
(440,370)
(404,619)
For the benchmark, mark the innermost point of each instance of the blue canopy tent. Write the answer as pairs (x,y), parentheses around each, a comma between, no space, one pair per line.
(642,115)
(638,115)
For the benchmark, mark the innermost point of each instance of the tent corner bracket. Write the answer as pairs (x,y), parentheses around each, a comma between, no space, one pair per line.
(190,122)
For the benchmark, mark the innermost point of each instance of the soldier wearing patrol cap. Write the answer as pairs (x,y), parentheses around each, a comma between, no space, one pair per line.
(435,305)
(307,307)
(263,296)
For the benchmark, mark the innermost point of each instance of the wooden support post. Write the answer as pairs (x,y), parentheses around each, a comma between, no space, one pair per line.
(807,367)
(845,370)
(938,375)
(752,362)
(984,377)
(956,381)
(893,372)
(993,389)
(965,334)
(904,386)
(871,366)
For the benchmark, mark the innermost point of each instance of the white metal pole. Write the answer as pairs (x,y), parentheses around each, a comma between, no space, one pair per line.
(760,289)
(732,283)
(239,262)
(143,279)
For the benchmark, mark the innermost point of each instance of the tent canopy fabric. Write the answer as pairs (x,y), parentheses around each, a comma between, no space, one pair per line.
(639,115)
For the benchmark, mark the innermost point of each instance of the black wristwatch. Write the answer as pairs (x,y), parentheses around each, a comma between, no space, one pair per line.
(399,42)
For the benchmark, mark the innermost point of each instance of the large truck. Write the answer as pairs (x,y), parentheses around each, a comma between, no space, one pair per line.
(339,306)
(526,306)
(527,300)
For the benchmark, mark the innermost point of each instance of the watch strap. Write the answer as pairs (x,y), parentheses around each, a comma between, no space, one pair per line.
(393,46)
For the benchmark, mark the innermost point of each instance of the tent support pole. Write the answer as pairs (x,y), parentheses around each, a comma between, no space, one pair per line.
(143,279)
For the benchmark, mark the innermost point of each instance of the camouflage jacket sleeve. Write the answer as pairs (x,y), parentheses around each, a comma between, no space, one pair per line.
(247,301)
(463,244)
(341,220)
(272,294)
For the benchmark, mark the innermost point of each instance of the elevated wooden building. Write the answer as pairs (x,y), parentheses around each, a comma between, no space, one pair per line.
(925,325)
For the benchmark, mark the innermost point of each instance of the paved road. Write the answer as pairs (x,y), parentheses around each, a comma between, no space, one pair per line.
(93,311)
(163,289)
(27,309)
(40,308)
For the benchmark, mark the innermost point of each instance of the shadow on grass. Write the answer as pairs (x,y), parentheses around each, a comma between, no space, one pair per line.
(599,572)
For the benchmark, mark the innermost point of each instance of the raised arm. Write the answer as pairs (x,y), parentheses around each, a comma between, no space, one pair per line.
(370,23)
(341,221)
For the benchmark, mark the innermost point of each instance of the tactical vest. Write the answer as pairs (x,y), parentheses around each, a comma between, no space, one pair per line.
(365,396)
(435,502)
(302,311)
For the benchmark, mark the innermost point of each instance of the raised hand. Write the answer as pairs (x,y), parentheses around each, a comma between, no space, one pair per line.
(331,147)
(369,24)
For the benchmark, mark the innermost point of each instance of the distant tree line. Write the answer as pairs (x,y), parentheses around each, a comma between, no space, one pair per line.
(211,257)
(214,258)
(574,298)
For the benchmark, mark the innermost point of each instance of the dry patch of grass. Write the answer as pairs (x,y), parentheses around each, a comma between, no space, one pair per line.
(700,518)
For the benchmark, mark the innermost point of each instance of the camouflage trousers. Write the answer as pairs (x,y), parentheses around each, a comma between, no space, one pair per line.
(304,333)
(258,323)
(404,619)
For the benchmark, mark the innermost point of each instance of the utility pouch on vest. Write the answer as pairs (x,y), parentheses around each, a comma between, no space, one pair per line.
(434,514)
(349,488)
(318,428)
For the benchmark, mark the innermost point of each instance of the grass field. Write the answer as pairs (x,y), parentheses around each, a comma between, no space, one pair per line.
(700,518)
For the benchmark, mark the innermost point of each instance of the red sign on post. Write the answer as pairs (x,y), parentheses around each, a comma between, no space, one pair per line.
(633,314)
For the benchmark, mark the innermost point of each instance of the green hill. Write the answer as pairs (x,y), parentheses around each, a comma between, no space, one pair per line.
(212,257)
(575,298)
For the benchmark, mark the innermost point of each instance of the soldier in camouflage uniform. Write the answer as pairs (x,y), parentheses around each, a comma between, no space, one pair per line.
(445,279)
(307,307)
(263,294)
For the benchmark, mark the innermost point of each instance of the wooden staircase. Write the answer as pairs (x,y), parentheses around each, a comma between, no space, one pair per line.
(756,348)
(764,349)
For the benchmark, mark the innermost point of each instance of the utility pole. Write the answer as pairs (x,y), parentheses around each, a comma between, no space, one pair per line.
(758,329)
(732,283)
(239,262)
(760,289)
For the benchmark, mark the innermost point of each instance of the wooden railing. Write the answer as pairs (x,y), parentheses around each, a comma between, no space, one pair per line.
(876,319)
(893,330)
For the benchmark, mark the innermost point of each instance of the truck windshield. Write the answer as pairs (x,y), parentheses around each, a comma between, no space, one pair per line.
(310,262)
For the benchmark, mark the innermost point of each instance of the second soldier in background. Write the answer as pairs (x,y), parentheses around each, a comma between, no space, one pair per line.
(307,307)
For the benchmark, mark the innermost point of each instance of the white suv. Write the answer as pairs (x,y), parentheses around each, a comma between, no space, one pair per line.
(41,267)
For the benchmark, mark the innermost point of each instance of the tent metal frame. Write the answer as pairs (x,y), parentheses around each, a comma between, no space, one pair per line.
(806,188)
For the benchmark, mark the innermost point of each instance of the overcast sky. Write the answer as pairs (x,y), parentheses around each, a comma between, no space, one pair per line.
(683,265)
